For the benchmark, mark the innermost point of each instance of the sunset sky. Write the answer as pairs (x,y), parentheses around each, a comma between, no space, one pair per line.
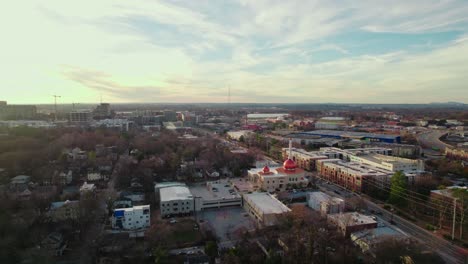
(266,51)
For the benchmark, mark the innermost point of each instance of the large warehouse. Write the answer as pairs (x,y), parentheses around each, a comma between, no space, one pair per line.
(371,137)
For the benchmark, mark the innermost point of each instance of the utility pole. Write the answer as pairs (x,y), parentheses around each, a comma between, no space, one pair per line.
(454,216)
(55,105)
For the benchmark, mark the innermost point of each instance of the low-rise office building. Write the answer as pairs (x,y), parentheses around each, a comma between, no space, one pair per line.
(324,203)
(133,218)
(175,200)
(264,208)
(160,185)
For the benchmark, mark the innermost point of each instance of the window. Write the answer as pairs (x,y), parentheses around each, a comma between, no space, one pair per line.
(146,211)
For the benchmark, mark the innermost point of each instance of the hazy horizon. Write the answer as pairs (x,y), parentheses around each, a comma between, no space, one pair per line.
(345,52)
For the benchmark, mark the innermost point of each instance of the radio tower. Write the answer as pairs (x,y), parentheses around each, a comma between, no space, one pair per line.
(55,105)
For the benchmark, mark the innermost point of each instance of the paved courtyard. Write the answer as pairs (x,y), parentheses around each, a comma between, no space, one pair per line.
(227,223)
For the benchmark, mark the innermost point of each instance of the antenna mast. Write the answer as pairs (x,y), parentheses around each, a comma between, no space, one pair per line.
(55,105)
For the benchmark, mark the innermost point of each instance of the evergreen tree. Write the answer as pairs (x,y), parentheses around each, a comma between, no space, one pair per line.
(398,189)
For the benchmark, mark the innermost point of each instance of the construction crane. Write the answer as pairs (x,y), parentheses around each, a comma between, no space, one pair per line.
(55,104)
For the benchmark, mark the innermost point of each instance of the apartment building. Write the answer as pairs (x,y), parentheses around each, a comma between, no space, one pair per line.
(133,218)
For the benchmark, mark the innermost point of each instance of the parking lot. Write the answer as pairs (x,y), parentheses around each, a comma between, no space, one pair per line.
(226,223)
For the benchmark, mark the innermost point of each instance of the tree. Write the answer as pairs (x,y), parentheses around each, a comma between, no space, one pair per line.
(211,249)
(398,189)
(159,255)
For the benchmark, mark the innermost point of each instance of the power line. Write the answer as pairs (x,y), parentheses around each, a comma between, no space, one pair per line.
(422,203)
(420,199)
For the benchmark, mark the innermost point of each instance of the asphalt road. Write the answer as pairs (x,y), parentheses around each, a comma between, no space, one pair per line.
(431,138)
(449,252)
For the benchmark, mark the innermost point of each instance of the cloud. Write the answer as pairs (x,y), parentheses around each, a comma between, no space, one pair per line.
(102,82)
(277,51)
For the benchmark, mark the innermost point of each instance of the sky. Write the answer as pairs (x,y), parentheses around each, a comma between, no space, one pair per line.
(195,51)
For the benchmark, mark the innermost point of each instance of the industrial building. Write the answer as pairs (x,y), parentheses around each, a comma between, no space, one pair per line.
(331,122)
(175,200)
(263,118)
(264,208)
(369,137)
(133,218)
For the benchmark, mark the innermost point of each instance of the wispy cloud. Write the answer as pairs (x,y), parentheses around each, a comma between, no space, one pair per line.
(264,50)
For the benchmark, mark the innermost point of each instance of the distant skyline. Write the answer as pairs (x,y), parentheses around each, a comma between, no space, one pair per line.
(145,51)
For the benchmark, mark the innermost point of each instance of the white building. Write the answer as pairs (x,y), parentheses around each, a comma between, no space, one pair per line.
(236,135)
(95,176)
(390,163)
(133,218)
(264,208)
(175,200)
(324,203)
(87,187)
(159,186)
(66,178)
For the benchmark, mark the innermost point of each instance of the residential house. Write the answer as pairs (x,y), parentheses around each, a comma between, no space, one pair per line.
(63,211)
(54,244)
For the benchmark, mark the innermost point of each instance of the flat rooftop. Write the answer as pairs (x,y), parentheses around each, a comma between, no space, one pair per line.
(215,190)
(175,193)
(266,203)
(161,185)
(269,115)
(375,234)
(352,219)
(135,207)
(348,134)
(356,167)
